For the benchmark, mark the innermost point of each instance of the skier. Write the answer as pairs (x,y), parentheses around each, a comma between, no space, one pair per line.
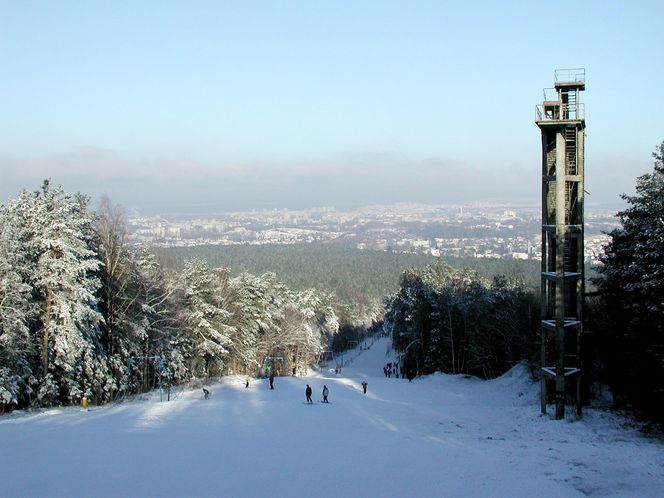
(271,380)
(326,391)
(308,393)
(246,383)
(364,386)
(206,393)
(411,374)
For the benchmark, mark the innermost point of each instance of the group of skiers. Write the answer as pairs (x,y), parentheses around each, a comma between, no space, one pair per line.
(326,392)
(308,392)
(391,369)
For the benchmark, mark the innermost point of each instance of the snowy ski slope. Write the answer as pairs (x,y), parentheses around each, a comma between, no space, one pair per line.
(437,436)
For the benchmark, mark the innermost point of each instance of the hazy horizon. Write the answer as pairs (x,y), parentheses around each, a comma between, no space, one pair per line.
(192,209)
(225,107)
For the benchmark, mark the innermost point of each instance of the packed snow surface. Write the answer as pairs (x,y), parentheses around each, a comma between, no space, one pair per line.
(441,435)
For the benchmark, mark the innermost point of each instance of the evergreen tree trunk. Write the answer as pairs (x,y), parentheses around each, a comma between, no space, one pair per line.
(46,334)
(449,324)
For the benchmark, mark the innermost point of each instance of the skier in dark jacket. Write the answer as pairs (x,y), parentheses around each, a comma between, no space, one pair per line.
(326,391)
(271,381)
(308,393)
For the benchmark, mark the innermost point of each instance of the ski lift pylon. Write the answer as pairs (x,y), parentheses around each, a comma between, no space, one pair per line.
(324,357)
(272,364)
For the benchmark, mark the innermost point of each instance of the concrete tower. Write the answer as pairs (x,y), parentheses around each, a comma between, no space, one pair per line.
(561,119)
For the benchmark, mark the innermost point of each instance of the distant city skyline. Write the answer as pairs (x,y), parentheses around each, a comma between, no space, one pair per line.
(173,107)
(434,230)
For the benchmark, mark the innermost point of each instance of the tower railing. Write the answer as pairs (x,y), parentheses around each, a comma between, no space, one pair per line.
(560,112)
(550,95)
(574,75)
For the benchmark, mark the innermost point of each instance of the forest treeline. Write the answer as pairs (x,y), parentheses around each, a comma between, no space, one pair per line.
(360,279)
(491,306)
(457,321)
(84,314)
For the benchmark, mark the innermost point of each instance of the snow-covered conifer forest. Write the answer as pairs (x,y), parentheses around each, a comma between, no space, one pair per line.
(84,315)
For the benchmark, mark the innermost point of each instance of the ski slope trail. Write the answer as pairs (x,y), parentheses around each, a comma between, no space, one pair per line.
(437,436)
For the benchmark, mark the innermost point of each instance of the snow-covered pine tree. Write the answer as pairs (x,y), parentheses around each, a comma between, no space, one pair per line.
(156,322)
(246,303)
(208,321)
(632,289)
(57,232)
(259,303)
(298,338)
(17,347)
(319,324)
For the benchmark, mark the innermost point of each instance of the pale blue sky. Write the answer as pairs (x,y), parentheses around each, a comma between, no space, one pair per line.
(228,105)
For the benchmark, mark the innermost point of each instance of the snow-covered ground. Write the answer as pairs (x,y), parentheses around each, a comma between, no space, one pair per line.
(437,436)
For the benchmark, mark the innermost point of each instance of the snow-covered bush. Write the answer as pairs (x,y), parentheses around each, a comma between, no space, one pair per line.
(49,392)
